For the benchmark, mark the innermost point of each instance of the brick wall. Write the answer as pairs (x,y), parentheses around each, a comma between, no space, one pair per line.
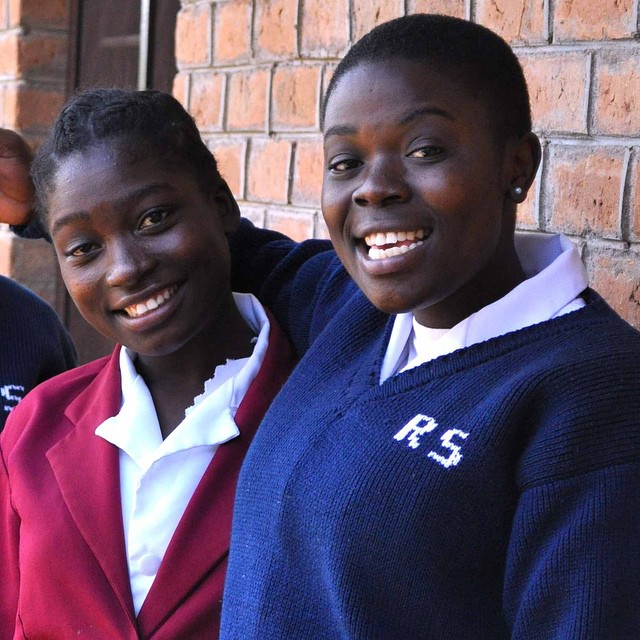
(33,65)
(253,73)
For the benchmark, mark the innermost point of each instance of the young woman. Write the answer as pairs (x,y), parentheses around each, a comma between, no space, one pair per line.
(457,454)
(117,478)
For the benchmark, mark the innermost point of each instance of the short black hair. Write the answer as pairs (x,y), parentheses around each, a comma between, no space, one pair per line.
(152,121)
(469,52)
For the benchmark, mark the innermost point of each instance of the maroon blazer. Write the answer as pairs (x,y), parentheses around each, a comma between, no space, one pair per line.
(63,568)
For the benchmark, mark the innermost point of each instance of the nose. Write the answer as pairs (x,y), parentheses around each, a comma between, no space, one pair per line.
(128,263)
(383,183)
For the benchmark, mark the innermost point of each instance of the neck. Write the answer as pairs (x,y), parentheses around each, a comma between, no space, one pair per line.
(174,380)
(494,281)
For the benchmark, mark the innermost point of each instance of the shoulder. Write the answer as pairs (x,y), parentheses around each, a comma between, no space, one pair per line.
(584,397)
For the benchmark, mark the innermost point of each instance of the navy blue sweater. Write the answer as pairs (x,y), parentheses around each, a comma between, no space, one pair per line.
(491,493)
(34,346)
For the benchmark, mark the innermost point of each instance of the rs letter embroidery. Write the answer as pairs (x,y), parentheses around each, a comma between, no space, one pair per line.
(420,425)
(416,427)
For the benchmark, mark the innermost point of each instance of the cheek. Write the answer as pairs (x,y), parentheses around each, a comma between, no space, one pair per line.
(81,289)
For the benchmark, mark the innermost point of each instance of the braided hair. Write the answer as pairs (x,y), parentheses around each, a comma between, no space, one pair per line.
(152,121)
(468,52)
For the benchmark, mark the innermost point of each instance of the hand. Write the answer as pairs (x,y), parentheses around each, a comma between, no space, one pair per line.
(16,188)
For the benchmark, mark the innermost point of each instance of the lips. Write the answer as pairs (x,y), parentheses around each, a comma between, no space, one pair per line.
(388,244)
(140,308)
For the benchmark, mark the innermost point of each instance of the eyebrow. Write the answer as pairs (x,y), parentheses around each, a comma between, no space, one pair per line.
(135,195)
(349,130)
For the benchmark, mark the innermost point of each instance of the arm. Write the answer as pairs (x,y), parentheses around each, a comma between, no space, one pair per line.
(573,568)
(285,275)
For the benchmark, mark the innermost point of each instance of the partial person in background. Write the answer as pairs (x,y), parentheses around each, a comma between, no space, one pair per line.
(34,345)
(117,479)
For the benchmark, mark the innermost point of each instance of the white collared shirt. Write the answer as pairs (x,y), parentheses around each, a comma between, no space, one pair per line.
(158,477)
(555,279)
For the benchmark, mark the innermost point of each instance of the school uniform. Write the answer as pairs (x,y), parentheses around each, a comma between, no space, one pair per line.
(66,559)
(488,490)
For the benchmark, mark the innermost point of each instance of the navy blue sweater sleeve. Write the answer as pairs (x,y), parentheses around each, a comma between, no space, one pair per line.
(573,566)
(288,277)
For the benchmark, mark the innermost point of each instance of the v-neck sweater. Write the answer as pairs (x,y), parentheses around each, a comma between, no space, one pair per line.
(489,493)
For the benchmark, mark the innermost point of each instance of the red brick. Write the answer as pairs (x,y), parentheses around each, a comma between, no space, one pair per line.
(51,13)
(9,56)
(3,91)
(6,240)
(325,28)
(247,100)
(295,95)
(326,78)
(230,156)
(454,8)
(515,20)
(31,107)
(635,197)
(206,95)
(584,190)
(44,55)
(615,275)
(558,86)
(617,94)
(4,16)
(268,173)
(232,31)
(296,225)
(307,173)
(588,20)
(15,12)
(193,35)
(180,89)
(366,15)
(254,213)
(276,34)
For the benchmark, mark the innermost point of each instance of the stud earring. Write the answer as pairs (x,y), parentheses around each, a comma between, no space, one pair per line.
(517,191)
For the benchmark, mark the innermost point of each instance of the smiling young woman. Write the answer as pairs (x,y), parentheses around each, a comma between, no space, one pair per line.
(457,453)
(117,478)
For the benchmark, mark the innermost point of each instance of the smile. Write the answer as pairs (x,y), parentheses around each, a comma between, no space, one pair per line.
(393,243)
(140,308)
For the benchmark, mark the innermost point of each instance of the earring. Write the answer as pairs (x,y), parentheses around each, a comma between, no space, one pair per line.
(517,191)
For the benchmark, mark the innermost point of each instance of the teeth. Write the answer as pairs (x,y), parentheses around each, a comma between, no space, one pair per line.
(380,239)
(381,254)
(135,310)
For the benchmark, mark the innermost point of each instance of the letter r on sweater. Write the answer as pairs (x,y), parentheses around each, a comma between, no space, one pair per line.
(416,427)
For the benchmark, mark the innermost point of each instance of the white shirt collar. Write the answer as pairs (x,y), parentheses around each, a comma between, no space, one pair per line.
(555,279)
(209,421)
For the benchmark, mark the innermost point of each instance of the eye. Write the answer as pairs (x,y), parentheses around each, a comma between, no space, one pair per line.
(343,164)
(428,152)
(82,250)
(153,218)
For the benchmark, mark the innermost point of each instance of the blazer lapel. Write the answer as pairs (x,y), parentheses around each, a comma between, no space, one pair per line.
(87,470)
(200,544)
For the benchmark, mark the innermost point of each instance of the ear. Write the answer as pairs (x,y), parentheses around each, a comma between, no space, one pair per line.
(227,207)
(522,162)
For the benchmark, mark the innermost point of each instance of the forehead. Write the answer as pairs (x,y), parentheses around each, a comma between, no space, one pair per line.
(105,172)
(380,91)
